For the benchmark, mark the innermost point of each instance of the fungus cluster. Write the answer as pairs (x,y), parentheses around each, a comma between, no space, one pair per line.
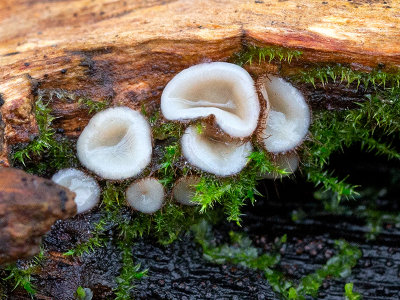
(228,94)
(225,92)
(117,142)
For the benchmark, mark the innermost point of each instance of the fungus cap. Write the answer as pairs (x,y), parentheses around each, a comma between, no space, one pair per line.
(85,187)
(289,115)
(146,195)
(287,162)
(185,189)
(218,157)
(116,144)
(221,89)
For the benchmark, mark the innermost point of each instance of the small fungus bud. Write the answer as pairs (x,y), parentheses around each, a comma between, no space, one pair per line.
(185,189)
(289,115)
(219,157)
(116,144)
(85,187)
(146,195)
(221,89)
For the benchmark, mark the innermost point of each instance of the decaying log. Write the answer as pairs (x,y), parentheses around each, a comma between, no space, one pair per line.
(126,51)
(29,205)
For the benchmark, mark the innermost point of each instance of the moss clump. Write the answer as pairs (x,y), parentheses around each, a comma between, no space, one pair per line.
(261,54)
(167,170)
(45,151)
(22,276)
(241,252)
(163,130)
(234,191)
(349,293)
(129,273)
(372,125)
(84,102)
(376,78)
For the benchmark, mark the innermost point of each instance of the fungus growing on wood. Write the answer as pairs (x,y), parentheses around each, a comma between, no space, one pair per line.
(287,162)
(221,89)
(146,195)
(185,189)
(116,144)
(289,115)
(84,186)
(216,156)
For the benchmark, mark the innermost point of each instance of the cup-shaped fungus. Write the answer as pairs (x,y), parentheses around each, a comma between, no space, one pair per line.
(221,89)
(287,162)
(146,195)
(216,156)
(85,187)
(185,189)
(116,144)
(289,115)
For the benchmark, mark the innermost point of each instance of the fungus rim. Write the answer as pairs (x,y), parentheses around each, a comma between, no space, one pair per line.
(217,114)
(132,126)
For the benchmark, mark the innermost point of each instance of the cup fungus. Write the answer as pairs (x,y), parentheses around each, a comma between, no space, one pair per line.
(116,144)
(216,156)
(85,187)
(223,90)
(289,115)
(287,162)
(185,189)
(146,195)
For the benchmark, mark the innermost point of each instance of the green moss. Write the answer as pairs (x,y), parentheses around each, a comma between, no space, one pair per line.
(338,266)
(241,252)
(85,102)
(376,78)
(376,119)
(261,54)
(80,293)
(22,276)
(97,240)
(376,219)
(167,170)
(45,151)
(232,192)
(129,273)
(349,293)
(91,105)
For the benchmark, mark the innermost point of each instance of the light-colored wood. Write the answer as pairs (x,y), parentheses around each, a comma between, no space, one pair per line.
(128,50)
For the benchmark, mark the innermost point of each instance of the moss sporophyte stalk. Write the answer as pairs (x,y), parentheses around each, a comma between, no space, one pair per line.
(373,126)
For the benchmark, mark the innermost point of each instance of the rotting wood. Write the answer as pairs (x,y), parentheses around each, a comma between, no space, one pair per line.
(29,205)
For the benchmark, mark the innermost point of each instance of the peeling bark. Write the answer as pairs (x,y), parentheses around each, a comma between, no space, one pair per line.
(29,205)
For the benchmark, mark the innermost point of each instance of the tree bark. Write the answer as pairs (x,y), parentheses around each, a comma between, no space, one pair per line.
(29,205)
